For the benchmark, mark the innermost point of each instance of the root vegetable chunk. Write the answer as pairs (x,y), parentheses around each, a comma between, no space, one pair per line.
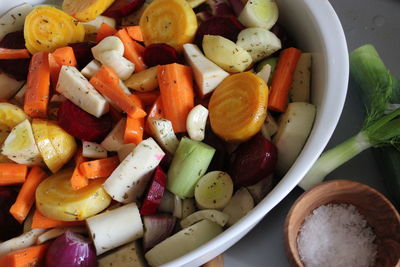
(129,179)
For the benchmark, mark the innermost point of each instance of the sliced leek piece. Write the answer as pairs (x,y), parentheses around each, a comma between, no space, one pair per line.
(259,13)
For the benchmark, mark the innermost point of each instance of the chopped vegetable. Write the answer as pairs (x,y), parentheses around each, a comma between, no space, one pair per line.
(128,181)
(122,8)
(32,256)
(86,10)
(225,53)
(134,127)
(39,221)
(20,145)
(12,173)
(21,242)
(188,207)
(109,43)
(160,54)
(176,87)
(61,56)
(129,223)
(238,122)
(239,205)
(101,168)
(56,146)
(56,199)
(254,160)
(114,141)
(162,131)
(78,180)
(215,216)
(213,190)
(133,51)
(206,74)
(135,33)
(301,86)
(94,26)
(47,28)
(259,42)
(143,81)
(294,127)
(26,196)
(107,82)
(155,193)
(188,165)
(259,13)
(56,232)
(183,242)
(168,21)
(282,79)
(104,31)
(91,68)
(93,150)
(71,249)
(38,86)
(157,229)
(6,53)
(88,127)
(125,256)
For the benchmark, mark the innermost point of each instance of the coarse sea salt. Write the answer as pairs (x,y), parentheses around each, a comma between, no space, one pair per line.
(336,235)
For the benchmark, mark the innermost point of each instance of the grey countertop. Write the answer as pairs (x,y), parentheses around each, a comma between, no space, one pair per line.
(364,21)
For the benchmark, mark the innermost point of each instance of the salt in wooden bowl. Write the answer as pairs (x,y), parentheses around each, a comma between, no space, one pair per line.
(378,211)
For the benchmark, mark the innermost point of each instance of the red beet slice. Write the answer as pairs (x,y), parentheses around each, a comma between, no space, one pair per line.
(155,193)
(83,125)
(225,26)
(17,68)
(83,53)
(122,8)
(160,54)
(254,160)
(9,227)
(220,7)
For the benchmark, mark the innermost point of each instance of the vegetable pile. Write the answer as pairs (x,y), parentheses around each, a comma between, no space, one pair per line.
(133,133)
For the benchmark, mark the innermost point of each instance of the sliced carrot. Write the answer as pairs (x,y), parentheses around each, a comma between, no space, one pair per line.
(148,98)
(6,53)
(282,79)
(176,88)
(78,180)
(26,196)
(61,56)
(156,112)
(39,221)
(28,257)
(101,168)
(135,33)
(37,86)
(104,31)
(134,127)
(106,82)
(12,173)
(133,51)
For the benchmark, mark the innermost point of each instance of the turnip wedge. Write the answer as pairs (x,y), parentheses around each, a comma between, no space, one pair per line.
(379,90)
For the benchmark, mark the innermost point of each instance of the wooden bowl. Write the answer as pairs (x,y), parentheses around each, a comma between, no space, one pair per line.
(380,214)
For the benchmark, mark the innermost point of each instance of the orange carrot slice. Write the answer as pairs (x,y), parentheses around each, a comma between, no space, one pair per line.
(107,83)
(12,173)
(39,221)
(104,31)
(78,180)
(37,86)
(176,88)
(61,56)
(134,127)
(283,78)
(133,51)
(26,196)
(135,33)
(148,98)
(6,53)
(31,256)
(101,168)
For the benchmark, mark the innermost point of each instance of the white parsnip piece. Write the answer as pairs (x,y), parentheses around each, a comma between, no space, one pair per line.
(163,132)
(114,141)
(93,150)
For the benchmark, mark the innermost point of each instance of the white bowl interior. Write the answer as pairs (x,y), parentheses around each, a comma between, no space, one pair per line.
(316,29)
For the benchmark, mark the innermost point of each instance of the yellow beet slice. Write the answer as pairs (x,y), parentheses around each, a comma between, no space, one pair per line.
(85,10)
(238,107)
(47,28)
(168,21)
(55,145)
(56,199)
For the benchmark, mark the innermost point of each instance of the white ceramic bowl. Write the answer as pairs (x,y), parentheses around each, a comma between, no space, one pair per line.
(316,28)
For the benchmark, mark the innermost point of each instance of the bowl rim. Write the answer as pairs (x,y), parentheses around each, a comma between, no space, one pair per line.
(335,184)
(325,16)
